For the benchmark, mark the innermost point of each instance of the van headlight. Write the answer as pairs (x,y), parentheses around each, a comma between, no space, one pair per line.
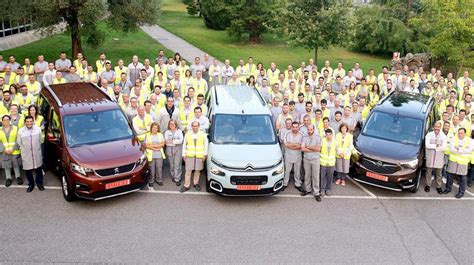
(413,164)
(81,170)
(141,160)
(278,171)
(356,154)
(216,171)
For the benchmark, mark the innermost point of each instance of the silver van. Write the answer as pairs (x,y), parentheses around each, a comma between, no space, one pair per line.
(244,156)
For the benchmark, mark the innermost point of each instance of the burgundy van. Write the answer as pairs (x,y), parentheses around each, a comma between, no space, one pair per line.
(90,143)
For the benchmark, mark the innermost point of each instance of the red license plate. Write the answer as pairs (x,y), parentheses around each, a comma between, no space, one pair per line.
(376,176)
(117,184)
(249,187)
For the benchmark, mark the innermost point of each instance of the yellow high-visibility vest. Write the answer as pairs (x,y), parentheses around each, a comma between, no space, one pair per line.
(10,142)
(183,118)
(59,81)
(195,149)
(328,159)
(118,73)
(344,145)
(149,152)
(461,159)
(142,125)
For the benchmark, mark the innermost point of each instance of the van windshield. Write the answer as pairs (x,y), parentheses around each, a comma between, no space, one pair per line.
(96,127)
(394,128)
(243,129)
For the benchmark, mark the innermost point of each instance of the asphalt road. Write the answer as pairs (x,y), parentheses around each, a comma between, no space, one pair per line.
(358,224)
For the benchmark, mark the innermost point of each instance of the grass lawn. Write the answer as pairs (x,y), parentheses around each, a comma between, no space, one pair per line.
(220,45)
(117,45)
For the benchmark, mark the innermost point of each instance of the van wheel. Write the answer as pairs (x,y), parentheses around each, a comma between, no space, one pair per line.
(68,192)
(415,188)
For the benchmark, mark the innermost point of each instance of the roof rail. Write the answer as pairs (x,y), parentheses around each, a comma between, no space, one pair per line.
(215,94)
(60,104)
(428,104)
(385,98)
(262,100)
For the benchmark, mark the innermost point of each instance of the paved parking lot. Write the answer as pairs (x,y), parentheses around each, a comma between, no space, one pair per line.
(357,224)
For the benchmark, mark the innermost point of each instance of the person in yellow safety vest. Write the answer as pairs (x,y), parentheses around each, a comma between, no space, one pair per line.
(251,67)
(324,109)
(160,80)
(458,162)
(194,154)
(59,79)
(146,83)
(119,69)
(25,99)
(21,78)
(215,73)
(363,109)
(82,69)
(327,161)
(33,86)
(90,76)
(161,67)
(8,75)
(344,148)
(10,151)
(154,143)
(242,72)
(38,119)
(272,73)
(141,123)
(160,97)
(186,113)
(199,84)
(182,67)
(100,64)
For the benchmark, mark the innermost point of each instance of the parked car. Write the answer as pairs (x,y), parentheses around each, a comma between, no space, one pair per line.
(389,151)
(90,143)
(244,156)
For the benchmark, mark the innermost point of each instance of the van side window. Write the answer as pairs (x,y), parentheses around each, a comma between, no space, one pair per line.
(55,124)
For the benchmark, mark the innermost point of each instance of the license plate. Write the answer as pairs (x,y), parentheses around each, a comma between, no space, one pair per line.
(249,187)
(117,184)
(376,176)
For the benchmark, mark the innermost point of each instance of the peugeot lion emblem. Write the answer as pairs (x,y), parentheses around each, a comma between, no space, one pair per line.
(116,170)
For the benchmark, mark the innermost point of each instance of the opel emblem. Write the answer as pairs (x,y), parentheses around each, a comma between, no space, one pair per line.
(116,170)
(379,163)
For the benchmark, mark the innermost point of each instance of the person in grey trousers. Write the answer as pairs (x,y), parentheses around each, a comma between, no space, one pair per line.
(174,145)
(154,143)
(311,147)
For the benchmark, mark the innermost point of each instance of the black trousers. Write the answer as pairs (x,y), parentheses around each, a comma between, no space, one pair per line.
(39,176)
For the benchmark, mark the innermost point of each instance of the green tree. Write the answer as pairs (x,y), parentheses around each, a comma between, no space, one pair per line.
(449,26)
(81,16)
(315,24)
(252,17)
(193,7)
(216,13)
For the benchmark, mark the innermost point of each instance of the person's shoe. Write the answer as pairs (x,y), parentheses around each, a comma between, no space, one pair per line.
(343,183)
(173,180)
(439,190)
(427,188)
(283,189)
(338,181)
(459,196)
(150,185)
(19,181)
(328,193)
(197,187)
(317,198)
(183,189)
(303,193)
(160,183)
(469,184)
(300,189)
(178,183)
(446,191)
(41,187)
(8,183)
(30,189)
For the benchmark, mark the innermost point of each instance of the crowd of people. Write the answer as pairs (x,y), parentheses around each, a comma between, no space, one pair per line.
(316,112)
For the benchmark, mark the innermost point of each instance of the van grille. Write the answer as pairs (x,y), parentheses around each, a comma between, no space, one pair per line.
(248,180)
(379,166)
(115,170)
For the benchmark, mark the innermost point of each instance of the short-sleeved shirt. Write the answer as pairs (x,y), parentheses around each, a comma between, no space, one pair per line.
(108,75)
(14,66)
(2,65)
(291,155)
(62,63)
(43,66)
(312,140)
(350,121)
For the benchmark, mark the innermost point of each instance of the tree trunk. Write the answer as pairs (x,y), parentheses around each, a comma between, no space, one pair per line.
(74,25)
(254,37)
(316,55)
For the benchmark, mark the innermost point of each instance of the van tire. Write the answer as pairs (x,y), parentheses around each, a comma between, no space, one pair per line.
(208,186)
(415,188)
(68,191)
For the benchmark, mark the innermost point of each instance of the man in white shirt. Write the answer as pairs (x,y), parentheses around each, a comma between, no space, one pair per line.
(198,117)
(435,144)
(49,75)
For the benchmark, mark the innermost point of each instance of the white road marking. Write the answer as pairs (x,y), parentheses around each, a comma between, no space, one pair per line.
(362,187)
(347,197)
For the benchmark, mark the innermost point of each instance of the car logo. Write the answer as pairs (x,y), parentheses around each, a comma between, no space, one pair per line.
(249,167)
(379,163)
(116,170)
